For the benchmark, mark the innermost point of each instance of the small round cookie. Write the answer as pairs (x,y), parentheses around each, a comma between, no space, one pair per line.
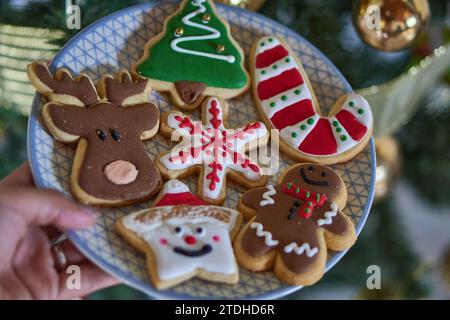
(292,224)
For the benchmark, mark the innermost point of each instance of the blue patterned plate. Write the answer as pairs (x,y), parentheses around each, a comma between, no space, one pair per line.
(117,41)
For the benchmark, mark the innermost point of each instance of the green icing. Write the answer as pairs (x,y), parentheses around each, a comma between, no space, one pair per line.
(164,63)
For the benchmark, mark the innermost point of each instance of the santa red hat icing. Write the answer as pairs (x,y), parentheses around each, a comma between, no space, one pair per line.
(176,193)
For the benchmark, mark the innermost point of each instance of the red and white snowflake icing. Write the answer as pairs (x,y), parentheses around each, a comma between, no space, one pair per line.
(213,146)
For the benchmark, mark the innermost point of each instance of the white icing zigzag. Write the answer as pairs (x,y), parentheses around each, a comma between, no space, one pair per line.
(305,247)
(266,234)
(329,215)
(215,34)
(267,196)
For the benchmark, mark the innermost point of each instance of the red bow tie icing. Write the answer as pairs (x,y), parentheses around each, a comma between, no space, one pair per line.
(310,199)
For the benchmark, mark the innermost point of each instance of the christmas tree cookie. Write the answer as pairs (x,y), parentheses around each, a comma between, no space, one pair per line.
(184,237)
(286,102)
(195,56)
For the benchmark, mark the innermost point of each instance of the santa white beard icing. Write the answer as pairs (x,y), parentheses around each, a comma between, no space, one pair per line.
(184,240)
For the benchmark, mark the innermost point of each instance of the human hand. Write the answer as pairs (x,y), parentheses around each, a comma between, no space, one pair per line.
(28,219)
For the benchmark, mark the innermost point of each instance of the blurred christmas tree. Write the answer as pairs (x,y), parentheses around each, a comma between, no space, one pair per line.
(328,25)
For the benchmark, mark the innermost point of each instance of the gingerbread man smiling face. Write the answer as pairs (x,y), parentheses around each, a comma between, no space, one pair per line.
(292,224)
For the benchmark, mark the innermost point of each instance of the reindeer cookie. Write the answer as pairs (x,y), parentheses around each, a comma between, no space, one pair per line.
(183,237)
(212,150)
(286,102)
(292,224)
(111,166)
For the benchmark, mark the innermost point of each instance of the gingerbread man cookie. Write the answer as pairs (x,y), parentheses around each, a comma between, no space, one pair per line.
(184,237)
(286,102)
(213,150)
(195,56)
(293,223)
(111,165)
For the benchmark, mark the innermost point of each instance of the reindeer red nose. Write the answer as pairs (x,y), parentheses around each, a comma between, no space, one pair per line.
(190,240)
(120,172)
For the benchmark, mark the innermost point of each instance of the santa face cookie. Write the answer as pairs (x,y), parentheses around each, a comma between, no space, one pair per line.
(286,102)
(111,165)
(293,223)
(182,241)
(195,56)
(212,150)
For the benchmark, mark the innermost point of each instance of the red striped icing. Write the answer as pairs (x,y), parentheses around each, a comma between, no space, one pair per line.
(270,56)
(281,83)
(293,114)
(355,129)
(320,141)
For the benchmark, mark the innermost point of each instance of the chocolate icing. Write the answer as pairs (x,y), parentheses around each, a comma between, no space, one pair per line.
(286,225)
(190,91)
(130,122)
(118,90)
(63,83)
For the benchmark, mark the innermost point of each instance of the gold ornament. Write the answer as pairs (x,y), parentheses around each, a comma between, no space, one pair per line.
(206,17)
(220,48)
(388,165)
(390,25)
(179,32)
(252,5)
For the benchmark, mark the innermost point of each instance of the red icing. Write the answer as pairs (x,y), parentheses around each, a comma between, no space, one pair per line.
(286,80)
(293,114)
(190,240)
(270,56)
(163,241)
(355,129)
(212,176)
(316,199)
(320,141)
(216,238)
(173,199)
(215,112)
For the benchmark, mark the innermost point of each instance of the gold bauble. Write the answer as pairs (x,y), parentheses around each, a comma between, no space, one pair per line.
(390,25)
(245,4)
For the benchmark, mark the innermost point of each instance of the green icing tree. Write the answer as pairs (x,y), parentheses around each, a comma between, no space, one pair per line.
(195,46)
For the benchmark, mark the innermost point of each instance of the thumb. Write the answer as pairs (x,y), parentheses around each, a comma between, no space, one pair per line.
(44,207)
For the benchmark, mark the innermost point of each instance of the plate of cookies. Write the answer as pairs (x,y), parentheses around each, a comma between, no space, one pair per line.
(224,156)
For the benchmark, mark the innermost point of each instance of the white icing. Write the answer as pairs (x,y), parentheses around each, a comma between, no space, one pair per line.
(267,196)
(215,34)
(175,186)
(172,265)
(263,234)
(342,146)
(291,99)
(267,44)
(217,151)
(329,215)
(286,133)
(305,247)
(275,69)
(360,103)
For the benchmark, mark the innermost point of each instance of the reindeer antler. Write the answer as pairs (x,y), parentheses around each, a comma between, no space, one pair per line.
(62,87)
(125,89)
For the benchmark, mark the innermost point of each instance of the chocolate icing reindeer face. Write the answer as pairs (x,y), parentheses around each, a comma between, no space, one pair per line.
(111,165)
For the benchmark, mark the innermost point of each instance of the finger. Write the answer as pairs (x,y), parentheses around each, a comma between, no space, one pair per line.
(90,279)
(19,177)
(43,207)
